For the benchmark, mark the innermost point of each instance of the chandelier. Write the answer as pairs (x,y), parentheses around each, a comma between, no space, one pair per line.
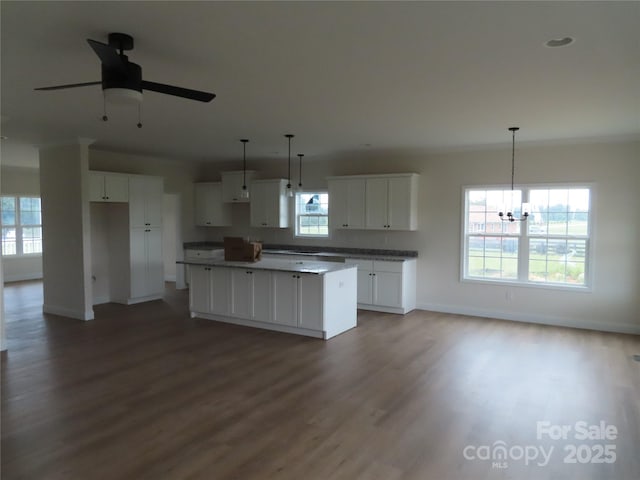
(509,215)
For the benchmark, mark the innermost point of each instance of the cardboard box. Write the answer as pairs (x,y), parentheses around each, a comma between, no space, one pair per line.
(236,249)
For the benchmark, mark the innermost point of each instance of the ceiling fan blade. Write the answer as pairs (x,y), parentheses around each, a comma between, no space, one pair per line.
(108,55)
(178,91)
(71,85)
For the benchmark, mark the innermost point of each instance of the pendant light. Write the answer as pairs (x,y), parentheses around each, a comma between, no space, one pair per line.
(300,155)
(289,190)
(509,216)
(245,190)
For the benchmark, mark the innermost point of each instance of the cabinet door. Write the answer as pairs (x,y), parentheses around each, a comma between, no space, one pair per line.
(376,204)
(347,203)
(96,187)
(155,261)
(258,207)
(365,290)
(209,209)
(269,206)
(356,203)
(262,296)
(232,187)
(220,290)
(145,201)
(338,200)
(310,296)
(387,289)
(285,296)
(199,288)
(202,201)
(242,293)
(399,208)
(116,188)
(138,262)
(153,204)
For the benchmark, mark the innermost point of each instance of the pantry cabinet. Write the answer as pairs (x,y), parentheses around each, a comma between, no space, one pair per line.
(146,262)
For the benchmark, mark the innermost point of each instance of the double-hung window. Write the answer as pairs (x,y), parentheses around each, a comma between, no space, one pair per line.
(312,214)
(21,225)
(550,248)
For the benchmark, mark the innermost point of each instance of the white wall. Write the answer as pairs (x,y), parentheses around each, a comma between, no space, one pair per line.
(66,257)
(21,181)
(614,168)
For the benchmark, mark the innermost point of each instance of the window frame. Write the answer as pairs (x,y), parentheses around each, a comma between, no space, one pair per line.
(524,238)
(296,216)
(19,227)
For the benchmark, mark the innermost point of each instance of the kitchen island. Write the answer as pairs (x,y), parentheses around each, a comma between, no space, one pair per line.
(312,298)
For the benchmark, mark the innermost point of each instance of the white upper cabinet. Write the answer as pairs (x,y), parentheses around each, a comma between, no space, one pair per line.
(269,205)
(392,202)
(347,203)
(145,201)
(375,202)
(210,211)
(232,186)
(108,187)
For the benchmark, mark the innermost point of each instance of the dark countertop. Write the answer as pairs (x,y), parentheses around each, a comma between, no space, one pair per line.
(329,252)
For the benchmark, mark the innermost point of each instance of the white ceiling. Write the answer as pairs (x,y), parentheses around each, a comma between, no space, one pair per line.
(341,76)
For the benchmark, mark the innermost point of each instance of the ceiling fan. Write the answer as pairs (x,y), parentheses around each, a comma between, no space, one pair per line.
(122,80)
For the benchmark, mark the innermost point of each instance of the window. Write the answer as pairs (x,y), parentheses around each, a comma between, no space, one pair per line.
(550,248)
(21,225)
(312,214)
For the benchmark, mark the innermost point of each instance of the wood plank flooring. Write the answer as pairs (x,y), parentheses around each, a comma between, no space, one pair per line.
(145,392)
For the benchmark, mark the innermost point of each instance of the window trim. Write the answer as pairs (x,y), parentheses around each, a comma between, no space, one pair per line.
(19,227)
(295,214)
(524,237)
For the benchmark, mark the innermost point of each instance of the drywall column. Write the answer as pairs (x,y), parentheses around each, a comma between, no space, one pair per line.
(66,230)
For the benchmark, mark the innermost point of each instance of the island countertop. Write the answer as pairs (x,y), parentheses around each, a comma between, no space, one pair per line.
(296,266)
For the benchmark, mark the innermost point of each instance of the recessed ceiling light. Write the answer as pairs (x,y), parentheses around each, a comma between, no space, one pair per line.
(559,42)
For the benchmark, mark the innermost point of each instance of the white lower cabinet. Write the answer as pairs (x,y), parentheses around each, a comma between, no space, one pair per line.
(318,305)
(210,289)
(251,294)
(199,288)
(298,299)
(387,286)
(220,291)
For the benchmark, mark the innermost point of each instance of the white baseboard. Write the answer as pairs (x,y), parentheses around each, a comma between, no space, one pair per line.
(532,318)
(22,277)
(169,278)
(68,312)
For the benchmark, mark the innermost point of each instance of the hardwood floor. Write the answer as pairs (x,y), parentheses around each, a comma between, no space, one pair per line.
(145,392)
